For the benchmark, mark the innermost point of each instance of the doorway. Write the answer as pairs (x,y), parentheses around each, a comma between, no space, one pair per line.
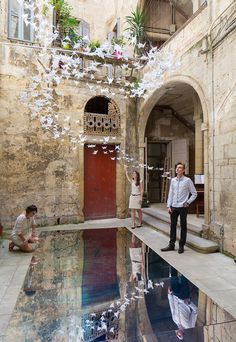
(156,154)
(99,182)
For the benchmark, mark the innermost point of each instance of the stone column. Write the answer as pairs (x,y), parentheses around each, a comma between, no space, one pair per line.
(142,160)
(81,182)
(198,137)
(121,204)
(207,217)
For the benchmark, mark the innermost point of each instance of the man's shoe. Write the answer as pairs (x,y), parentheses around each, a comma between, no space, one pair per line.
(181,250)
(168,248)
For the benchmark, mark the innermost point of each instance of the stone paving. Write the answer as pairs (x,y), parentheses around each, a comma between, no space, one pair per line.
(213,273)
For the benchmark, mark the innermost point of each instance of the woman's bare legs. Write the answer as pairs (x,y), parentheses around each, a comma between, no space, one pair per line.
(140,216)
(133,217)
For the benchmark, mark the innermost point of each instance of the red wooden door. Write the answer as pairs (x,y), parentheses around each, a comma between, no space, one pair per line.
(99,182)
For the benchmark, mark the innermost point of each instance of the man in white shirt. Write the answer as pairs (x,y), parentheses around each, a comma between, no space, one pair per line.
(184,312)
(177,205)
(24,231)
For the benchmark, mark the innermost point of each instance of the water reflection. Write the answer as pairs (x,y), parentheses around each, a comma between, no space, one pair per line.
(27,288)
(104,285)
(184,311)
(137,259)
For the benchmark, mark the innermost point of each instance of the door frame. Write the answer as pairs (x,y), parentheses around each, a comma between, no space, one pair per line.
(121,206)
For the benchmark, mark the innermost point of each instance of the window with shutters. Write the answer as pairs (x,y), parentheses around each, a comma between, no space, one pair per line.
(20,17)
(83,29)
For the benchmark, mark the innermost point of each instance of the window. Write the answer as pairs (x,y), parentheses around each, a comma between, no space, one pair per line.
(83,29)
(98,104)
(101,117)
(20,17)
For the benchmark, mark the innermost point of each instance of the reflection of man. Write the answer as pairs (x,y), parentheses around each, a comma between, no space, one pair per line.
(136,257)
(184,312)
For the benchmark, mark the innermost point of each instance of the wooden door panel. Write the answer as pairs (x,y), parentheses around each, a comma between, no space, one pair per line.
(99,182)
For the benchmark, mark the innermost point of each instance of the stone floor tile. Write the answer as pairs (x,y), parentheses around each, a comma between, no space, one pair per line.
(4,320)
(11,293)
(2,291)
(6,308)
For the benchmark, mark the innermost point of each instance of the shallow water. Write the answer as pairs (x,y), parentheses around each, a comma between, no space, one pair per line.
(104,285)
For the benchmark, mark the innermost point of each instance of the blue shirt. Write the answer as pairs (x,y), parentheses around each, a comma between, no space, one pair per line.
(180,189)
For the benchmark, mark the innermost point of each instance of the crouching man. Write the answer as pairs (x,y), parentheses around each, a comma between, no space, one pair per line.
(24,234)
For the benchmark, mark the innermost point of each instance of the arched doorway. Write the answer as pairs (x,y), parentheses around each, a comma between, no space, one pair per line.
(101,120)
(173,134)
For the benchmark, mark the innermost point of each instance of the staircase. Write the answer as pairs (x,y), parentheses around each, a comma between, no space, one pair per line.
(159,219)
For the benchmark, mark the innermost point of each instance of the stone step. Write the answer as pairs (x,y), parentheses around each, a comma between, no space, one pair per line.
(193,241)
(165,217)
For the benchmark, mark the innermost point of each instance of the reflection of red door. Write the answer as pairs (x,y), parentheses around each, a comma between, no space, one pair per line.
(99,182)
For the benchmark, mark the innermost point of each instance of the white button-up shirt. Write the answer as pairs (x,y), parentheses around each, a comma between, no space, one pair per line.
(184,315)
(180,189)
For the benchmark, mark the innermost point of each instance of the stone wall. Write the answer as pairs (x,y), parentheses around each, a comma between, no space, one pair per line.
(212,75)
(218,324)
(102,17)
(35,168)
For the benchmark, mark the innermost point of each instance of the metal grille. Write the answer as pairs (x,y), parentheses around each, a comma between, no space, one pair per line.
(103,124)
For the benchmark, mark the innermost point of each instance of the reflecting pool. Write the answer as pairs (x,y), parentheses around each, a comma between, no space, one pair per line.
(107,285)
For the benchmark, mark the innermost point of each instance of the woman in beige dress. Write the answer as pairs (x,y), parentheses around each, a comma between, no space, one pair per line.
(136,197)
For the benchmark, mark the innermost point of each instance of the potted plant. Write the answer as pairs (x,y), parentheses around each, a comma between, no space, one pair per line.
(93,45)
(118,41)
(66,43)
(65,21)
(117,44)
(136,22)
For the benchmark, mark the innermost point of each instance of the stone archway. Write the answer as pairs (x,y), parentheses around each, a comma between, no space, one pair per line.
(184,99)
(146,106)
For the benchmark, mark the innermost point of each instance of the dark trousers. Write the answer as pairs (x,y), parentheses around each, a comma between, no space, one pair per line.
(176,212)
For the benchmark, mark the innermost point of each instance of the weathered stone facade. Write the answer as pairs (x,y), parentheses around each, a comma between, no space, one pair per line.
(210,71)
(35,168)
(39,169)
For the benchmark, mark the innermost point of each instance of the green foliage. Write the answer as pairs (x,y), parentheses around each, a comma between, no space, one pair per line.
(66,23)
(119,41)
(136,84)
(94,44)
(136,22)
